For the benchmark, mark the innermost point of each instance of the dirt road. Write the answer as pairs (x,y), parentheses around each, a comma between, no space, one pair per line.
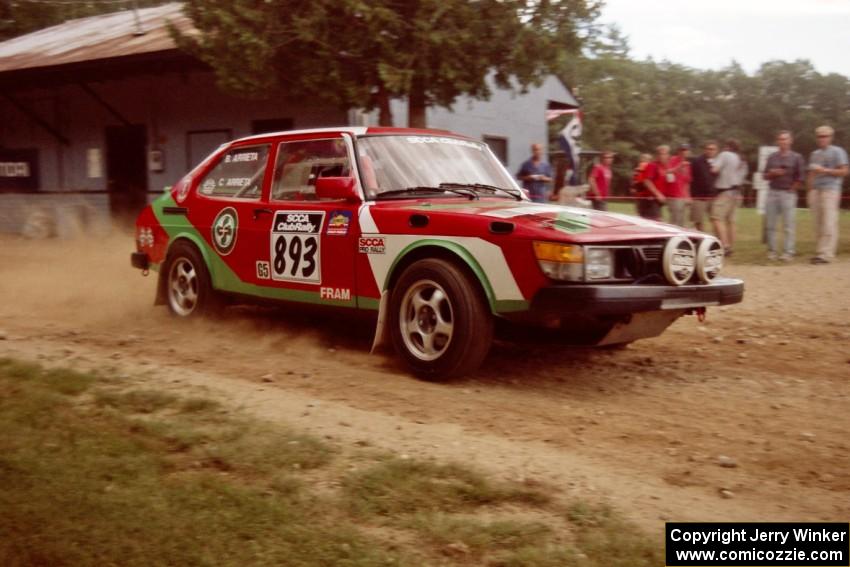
(743,417)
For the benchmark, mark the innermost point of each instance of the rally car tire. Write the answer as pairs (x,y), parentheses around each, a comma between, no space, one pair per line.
(188,286)
(440,322)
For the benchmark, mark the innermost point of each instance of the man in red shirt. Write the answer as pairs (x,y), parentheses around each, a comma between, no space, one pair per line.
(656,178)
(600,181)
(678,193)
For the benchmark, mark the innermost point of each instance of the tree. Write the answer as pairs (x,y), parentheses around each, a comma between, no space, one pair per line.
(359,53)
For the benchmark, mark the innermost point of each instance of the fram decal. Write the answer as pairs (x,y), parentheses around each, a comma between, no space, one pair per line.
(338,223)
(372,245)
(224,231)
(335,293)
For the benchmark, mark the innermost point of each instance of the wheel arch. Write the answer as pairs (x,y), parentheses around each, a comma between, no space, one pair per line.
(191,239)
(446,250)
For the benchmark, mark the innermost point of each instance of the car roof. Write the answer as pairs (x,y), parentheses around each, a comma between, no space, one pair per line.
(354,131)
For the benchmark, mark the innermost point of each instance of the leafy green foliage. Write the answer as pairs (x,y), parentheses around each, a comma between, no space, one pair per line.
(633,106)
(354,53)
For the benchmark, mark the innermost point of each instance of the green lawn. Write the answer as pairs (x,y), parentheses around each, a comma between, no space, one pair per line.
(749,248)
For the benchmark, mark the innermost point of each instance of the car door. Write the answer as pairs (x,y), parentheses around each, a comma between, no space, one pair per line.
(311,241)
(228,214)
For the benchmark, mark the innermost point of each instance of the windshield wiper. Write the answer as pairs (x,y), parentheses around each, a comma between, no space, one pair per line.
(483,186)
(451,188)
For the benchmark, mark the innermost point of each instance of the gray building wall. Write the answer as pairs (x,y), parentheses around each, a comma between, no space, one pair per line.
(170,106)
(173,105)
(518,117)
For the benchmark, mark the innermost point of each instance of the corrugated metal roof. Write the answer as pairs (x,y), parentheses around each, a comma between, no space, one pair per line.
(96,37)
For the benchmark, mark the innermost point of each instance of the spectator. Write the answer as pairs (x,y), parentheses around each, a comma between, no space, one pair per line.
(656,178)
(535,174)
(784,171)
(702,184)
(679,192)
(600,181)
(827,167)
(727,166)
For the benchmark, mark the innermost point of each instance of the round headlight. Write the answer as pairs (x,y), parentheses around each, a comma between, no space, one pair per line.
(679,260)
(709,259)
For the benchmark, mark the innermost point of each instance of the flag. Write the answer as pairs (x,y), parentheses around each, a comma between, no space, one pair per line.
(568,139)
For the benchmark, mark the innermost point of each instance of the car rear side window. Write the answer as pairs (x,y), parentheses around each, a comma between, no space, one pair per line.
(300,163)
(238,174)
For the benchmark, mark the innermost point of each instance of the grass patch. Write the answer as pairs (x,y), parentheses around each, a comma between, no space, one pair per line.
(199,405)
(405,486)
(142,477)
(91,486)
(605,539)
(479,537)
(136,401)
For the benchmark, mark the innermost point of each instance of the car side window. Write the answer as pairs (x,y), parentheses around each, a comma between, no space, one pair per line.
(238,174)
(300,163)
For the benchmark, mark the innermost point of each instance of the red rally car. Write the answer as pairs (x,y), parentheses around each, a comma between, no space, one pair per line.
(427,229)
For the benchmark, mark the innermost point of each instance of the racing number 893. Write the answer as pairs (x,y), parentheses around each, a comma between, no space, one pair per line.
(295,256)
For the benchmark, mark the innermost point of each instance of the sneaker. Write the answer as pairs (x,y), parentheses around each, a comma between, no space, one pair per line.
(772,257)
(819,260)
(786,257)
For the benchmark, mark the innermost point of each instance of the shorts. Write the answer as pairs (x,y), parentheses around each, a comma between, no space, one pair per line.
(725,204)
(699,210)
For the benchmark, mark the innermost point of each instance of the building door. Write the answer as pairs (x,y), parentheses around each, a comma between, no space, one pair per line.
(126,169)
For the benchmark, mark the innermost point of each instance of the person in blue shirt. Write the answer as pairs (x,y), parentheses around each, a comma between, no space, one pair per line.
(535,175)
(828,166)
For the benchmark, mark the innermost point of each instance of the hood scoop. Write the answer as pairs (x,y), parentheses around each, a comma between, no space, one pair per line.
(501,227)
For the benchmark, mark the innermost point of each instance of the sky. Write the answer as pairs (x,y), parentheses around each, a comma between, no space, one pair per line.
(710,34)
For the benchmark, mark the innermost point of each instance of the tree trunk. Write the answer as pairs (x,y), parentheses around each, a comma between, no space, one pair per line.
(386,113)
(416,107)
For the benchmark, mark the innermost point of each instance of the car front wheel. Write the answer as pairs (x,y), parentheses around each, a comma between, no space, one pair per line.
(440,322)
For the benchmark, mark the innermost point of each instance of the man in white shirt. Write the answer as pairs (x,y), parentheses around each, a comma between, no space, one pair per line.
(727,166)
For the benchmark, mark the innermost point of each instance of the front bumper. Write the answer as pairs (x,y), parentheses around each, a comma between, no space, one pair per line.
(563,300)
(140,260)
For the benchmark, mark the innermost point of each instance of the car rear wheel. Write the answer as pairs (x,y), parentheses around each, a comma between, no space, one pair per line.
(440,323)
(188,284)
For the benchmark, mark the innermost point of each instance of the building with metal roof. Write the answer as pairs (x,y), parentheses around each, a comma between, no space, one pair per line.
(98,114)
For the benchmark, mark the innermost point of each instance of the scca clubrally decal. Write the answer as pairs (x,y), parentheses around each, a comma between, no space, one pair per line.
(296,246)
(224,230)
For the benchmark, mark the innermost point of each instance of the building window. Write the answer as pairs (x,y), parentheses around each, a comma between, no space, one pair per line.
(499,146)
(201,143)
(238,174)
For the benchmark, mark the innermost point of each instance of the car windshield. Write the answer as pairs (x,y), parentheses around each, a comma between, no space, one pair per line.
(394,164)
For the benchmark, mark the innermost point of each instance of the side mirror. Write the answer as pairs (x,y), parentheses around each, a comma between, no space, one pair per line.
(336,188)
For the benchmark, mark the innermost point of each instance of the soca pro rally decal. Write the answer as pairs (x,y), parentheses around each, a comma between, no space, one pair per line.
(296,246)
(224,231)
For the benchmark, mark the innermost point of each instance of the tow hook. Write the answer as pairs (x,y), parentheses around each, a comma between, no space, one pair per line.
(700,312)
